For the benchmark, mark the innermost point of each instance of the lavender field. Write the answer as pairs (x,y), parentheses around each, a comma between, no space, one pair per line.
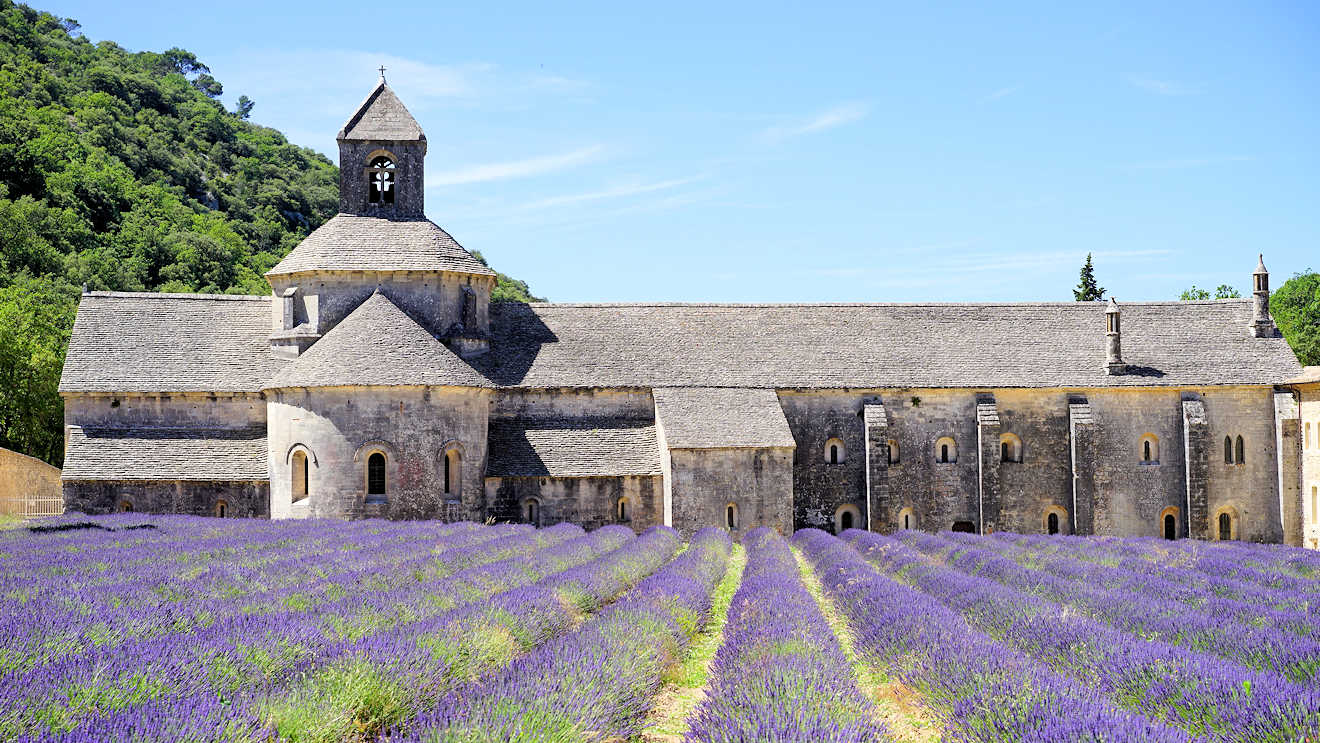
(174,628)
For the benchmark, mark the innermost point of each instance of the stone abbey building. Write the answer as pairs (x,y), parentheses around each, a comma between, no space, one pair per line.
(378,380)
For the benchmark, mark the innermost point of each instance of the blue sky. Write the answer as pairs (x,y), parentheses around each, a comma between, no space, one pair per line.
(850,152)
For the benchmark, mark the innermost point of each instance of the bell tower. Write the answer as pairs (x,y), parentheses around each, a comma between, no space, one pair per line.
(382,151)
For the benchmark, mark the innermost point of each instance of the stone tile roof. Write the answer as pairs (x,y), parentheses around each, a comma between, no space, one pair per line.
(350,242)
(721,418)
(147,342)
(377,344)
(1309,375)
(1060,344)
(572,447)
(165,454)
(381,116)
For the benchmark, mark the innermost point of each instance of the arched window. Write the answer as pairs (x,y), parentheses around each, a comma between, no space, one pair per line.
(221,509)
(532,510)
(380,180)
(946,451)
(1240,451)
(1308,435)
(299,474)
(1149,449)
(847,517)
(1169,522)
(125,506)
(731,516)
(1315,504)
(1226,523)
(834,451)
(621,510)
(893,451)
(1010,448)
(1228,450)
(453,471)
(376,476)
(1055,520)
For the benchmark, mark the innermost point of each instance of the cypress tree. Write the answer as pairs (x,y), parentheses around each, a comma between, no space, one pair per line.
(1086,290)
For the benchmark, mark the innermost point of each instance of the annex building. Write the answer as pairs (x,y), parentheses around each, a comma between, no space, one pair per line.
(378,380)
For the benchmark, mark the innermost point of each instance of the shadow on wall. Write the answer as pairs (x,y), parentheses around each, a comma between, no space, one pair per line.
(29,487)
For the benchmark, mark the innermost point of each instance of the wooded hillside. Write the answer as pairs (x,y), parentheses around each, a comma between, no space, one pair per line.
(123,171)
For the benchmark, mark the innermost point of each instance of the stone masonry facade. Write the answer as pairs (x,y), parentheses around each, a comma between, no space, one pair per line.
(378,380)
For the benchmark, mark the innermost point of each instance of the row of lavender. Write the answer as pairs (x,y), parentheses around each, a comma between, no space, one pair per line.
(337,629)
(1126,646)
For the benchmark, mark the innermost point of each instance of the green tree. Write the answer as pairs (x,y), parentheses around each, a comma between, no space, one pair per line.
(1086,290)
(1295,307)
(36,316)
(120,170)
(1223,291)
(243,109)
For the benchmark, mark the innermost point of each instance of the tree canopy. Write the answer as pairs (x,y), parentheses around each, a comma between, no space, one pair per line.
(122,171)
(1295,307)
(1223,291)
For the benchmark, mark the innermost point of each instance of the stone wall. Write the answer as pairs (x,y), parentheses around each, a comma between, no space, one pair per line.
(180,410)
(1309,409)
(757,482)
(28,486)
(591,502)
(434,300)
(409,172)
(1094,434)
(632,404)
(241,499)
(338,428)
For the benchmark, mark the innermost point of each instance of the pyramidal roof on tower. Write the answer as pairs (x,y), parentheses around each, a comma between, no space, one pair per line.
(378,345)
(381,116)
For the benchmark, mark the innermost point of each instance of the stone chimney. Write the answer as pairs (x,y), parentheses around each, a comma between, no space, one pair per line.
(1262,325)
(1113,340)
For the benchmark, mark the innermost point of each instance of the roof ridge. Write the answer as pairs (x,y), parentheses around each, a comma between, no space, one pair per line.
(180,295)
(735,305)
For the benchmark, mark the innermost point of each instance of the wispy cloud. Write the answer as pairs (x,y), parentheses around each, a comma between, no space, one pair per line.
(515,168)
(840,115)
(1189,162)
(1001,93)
(1164,87)
(609,193)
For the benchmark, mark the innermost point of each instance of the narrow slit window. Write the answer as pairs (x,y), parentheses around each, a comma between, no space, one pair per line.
(1228,450)
(1240,451)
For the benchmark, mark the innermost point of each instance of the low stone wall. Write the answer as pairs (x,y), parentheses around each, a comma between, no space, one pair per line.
(28,486)
(223,499)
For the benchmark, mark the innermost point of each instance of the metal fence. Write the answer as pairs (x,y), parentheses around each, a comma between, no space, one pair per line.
(31,508)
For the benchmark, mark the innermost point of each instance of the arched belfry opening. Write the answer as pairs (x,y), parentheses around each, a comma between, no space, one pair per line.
(380,179)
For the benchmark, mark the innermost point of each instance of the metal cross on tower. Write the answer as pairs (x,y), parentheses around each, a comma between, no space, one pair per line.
(382,72)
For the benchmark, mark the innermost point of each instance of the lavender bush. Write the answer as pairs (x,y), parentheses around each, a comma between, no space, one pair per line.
(983,691)
(780,675)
